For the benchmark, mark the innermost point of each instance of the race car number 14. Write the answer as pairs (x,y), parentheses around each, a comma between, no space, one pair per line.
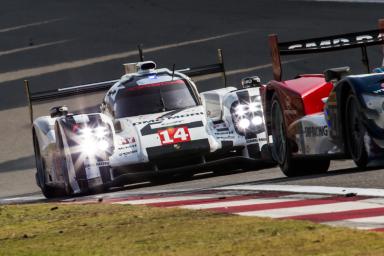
(174,135)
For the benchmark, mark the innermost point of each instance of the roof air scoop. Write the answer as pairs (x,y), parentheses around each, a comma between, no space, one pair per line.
(139,67)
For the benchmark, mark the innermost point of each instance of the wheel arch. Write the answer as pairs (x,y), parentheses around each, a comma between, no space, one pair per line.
(345,89)
(268,105)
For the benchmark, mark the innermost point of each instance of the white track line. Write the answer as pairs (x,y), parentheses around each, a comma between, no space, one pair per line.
(28,48)
(43,70)
(238,203)
(359,223)
(311,209)
(308,189)
(29,25)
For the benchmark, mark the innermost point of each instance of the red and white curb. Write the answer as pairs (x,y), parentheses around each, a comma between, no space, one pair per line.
(336,206)
(343,207)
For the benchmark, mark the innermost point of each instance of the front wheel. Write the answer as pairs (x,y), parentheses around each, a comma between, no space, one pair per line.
(41,179)
(281,148)
(355,131)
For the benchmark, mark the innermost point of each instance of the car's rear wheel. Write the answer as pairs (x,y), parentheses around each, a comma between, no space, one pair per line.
(281,148)
(41,179)
(355,131)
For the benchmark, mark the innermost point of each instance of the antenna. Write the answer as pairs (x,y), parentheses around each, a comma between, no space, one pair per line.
(140,48)
(173,70)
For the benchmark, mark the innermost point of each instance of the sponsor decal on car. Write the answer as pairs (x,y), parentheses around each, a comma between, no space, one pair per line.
(174,135)
(315,131)
(129,140)
(97,164)
(159,120)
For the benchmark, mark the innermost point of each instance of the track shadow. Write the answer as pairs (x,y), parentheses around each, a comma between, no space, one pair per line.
(19,164)
(180,179)
(332,173)
(206,175)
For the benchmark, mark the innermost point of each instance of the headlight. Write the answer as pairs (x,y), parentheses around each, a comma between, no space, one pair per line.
(257,120)
(244,123)
(374,102)
(100,132)
(86,132)
(247,117)
(241,110)
(93,140)
(102,145)
(88,146)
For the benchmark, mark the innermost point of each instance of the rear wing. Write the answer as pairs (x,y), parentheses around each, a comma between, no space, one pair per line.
(325,44)
(46,95)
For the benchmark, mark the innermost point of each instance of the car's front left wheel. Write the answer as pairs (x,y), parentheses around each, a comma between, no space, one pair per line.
(41,176)
(282,150)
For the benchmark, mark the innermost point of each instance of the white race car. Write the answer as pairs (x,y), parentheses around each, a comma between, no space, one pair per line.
(152,121)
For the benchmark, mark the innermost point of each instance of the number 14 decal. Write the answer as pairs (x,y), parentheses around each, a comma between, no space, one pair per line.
(174,135)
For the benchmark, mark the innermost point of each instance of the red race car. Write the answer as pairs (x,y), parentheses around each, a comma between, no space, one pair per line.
(315,118)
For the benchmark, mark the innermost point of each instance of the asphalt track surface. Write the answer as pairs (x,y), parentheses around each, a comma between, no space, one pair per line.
(58,43)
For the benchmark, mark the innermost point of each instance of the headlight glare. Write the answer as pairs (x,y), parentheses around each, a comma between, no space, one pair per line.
(102,145)
(257,120)
(253,107)
(93,140)
(100,132)
(244,123)
(240,110)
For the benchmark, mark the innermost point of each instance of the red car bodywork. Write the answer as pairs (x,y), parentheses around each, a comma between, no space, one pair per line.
(298,97)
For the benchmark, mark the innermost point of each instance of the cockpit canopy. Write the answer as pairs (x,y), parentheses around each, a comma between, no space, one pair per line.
(151,93)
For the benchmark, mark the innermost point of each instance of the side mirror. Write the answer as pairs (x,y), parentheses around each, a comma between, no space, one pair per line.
(102,107)
(253,81)
(117,126)
(335,74)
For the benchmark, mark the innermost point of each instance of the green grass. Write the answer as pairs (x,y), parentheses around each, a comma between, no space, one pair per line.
(102,229)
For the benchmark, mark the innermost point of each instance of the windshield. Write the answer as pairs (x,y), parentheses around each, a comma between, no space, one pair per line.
(153,98)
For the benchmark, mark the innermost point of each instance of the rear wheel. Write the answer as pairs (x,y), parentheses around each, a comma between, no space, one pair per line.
(355,132)
(281,148)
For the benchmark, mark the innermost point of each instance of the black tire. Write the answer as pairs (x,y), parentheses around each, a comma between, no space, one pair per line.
(355,131)
(48,191)
(281,148)
(63,164)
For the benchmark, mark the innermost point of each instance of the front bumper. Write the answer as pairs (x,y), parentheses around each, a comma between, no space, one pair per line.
(215,165)
(167,152)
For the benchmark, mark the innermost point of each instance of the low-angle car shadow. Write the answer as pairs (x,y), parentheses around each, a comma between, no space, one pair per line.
(18,164)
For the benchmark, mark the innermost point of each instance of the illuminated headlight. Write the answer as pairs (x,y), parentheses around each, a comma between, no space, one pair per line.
(100,132)
(253,107)
(102,145)
(374,102)
(241,110)
(94,140)
(88,146)
(244,123)
(257,120)
(86,132)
